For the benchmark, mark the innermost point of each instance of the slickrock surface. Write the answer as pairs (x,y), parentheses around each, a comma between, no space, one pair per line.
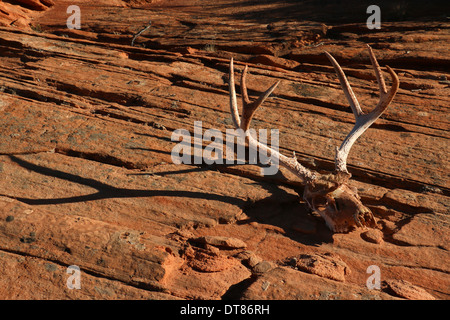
(87,178)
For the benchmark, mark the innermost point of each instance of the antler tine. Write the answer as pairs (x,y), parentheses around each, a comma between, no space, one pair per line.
(243,123)
(249,108)
(233,100)
(351,98)
(363,121)
(377,69)
(244,93)
(385,96)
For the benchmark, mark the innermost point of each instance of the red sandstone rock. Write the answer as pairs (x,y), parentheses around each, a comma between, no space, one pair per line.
(406,290)
(87,177)
(39,5)
(325,265)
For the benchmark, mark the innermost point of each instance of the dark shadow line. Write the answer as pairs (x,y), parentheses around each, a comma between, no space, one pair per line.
(133,193)
(60,174)
(106,191)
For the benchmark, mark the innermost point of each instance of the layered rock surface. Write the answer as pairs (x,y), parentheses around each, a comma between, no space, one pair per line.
(87,177)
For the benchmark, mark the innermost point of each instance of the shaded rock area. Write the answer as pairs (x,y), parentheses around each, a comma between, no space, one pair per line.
(87,177)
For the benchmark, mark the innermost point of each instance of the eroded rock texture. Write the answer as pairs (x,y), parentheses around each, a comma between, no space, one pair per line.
(87,177)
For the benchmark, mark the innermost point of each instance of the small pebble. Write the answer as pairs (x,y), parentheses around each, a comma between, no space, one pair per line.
(9,218)
(373,235)
(262,267)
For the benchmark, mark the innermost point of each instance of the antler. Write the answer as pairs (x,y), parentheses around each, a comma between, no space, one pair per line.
(363,121)
(243,123)
(329,195)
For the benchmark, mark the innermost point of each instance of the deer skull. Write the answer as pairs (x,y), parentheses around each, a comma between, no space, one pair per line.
(329,195)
